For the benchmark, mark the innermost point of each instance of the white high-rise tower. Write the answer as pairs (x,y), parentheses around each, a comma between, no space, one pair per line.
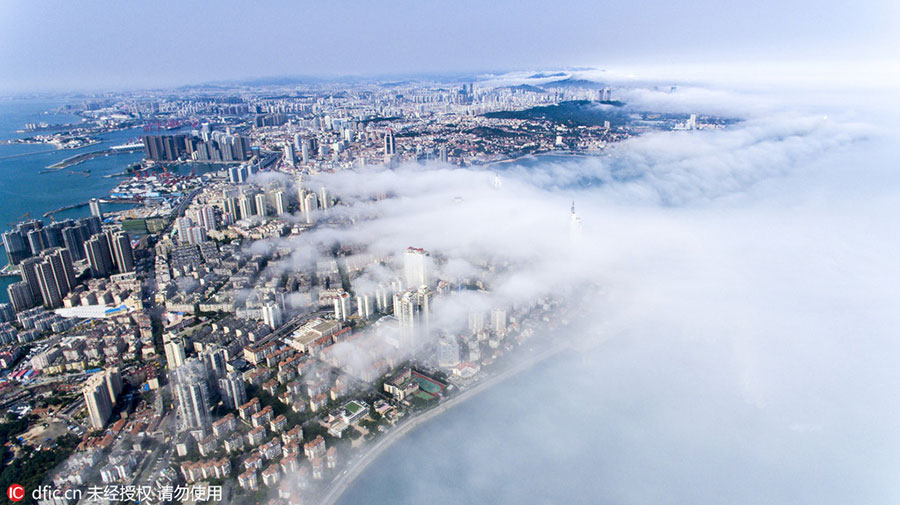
(575,223)
(417,268)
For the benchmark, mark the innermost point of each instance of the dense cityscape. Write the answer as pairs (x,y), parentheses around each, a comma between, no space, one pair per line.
(181,350)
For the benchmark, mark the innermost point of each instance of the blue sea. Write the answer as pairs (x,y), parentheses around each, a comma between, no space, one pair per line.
(23,189)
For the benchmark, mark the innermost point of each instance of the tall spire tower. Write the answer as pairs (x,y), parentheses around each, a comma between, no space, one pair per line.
(575,223)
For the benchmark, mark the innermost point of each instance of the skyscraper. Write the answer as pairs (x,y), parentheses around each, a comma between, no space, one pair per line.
(304,150)
(213,358)
(56,276)
(417,266)
(20,296)
(412,309)
(96,210)
(99,255)
(74,238)
(183,226)
(113,380)
(192,395)
(260,201)
(281,206)
(245,203)
(272,315)
(365,305)
(389,147)
(233,390)
(207,217)
(289,157)
(342,306)
(122,253)
(28,270)
(98,401)
(498,321)
(16,245)
(174,354)
(310,204)
(49,291)
(574,223)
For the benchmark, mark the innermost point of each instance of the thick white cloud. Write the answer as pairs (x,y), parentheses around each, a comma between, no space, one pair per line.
(741,288)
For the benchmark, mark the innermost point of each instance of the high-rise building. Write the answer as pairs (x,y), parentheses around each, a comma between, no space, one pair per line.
(56,276)
(324,198)
(232,208)
(448,352)
(384,299)
(574,223)
(28,270)
(417,267)
(476,321)
(113,380)
(16,244)
(406,309)
(74,238)
(7,313)
(37,241)
(122,253)
(260,201)
(174,354)
(49,291)
(289,157)
(207,217)
(183,226)
(389,147)
(365,305)
(98,401)
(310,205)
(342,306)
(99,255)
(245,204)
(20,296)
(272,315)
(96,210)
(213,359)
(281,207)
(498,321)
(233,390)
(304,150)
(191,390)
(412,309)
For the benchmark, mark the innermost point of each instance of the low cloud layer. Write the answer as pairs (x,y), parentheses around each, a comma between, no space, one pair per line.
(739,291)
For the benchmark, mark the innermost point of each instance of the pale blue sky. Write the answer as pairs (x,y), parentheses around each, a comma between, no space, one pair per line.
(76,45)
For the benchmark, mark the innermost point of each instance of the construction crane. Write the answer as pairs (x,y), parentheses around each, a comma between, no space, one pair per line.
(24,217)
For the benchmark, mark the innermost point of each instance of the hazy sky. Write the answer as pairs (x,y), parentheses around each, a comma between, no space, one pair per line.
(66,45)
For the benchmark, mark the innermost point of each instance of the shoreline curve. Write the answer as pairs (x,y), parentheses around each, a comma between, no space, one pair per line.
(340,484)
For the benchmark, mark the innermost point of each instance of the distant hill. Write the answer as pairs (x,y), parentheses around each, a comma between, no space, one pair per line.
(576,112)
(527,87)
(542,75)
(573,83)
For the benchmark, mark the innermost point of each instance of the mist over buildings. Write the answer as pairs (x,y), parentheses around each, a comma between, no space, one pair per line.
(737,288)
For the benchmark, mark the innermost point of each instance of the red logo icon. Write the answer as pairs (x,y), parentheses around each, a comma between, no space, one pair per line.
(15,492)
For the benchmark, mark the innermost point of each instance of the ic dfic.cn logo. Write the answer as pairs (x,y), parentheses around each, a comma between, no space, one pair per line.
(15,492)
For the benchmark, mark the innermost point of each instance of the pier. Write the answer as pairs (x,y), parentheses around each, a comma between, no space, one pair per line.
(79,158)
(67,207)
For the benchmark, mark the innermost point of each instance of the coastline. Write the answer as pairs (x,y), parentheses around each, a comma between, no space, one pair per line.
(359,464)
